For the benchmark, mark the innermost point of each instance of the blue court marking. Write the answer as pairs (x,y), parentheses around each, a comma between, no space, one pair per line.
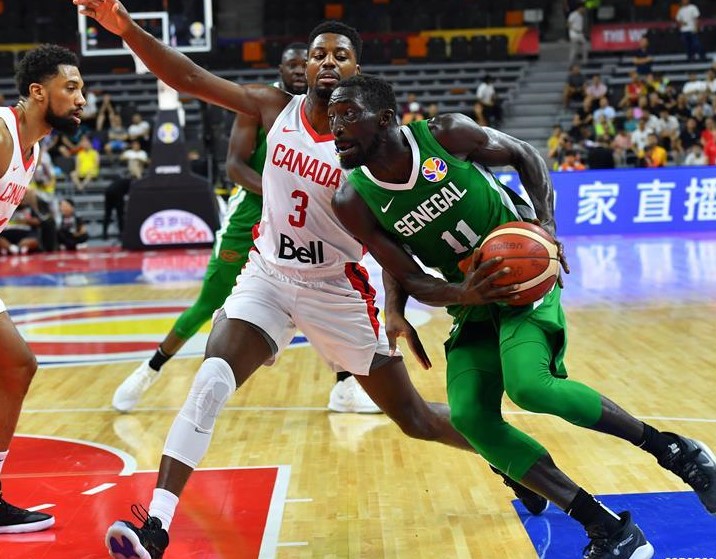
(74,279)
(675,523)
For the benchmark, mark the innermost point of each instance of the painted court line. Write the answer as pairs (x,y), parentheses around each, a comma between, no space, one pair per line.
(318,409)
(98,489)
(41,507)
(291,544)
(299,500)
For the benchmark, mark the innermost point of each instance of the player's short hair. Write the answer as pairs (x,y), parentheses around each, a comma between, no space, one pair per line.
(41,64)
(339,28)
(295,46)
(377,93)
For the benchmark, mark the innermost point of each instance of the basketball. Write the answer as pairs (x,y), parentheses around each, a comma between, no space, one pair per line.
(530,253)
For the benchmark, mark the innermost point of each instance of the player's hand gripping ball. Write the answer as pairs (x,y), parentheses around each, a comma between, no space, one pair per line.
(531,254)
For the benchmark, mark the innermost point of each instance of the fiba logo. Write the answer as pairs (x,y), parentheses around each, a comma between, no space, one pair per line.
(434,169)
(168,133)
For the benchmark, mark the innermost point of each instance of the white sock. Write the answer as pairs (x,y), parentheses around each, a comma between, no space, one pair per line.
(163,505)
(3,457)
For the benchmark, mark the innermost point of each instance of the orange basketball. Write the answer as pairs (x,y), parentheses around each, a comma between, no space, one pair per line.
(530,253)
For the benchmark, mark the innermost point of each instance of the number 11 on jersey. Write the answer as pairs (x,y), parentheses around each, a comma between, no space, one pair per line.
(466,232)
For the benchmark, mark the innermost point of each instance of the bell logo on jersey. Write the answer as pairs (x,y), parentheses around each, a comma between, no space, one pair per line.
(434,169)
(311,255)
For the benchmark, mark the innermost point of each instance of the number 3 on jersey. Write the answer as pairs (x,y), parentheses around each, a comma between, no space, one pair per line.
(298,217)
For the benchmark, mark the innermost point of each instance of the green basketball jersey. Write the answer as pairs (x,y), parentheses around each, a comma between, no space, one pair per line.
(444,211)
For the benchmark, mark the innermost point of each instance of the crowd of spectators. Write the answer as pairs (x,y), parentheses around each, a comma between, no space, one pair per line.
(648,122)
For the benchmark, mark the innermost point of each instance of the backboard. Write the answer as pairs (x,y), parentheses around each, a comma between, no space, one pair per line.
(184,24)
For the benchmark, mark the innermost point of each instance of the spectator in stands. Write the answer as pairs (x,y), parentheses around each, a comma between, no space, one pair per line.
(86,164)
(410,99)
(136,159)
(44,178)
(711,81)
(117,135)
(702,100)
(681,110)
(585,113)
(605,109)
(642,57)
(22,232)
(478,114)
(566,143)
(688,20)
(91,110)
(693,87)
(140,130)
(601,156)
(571,162)
(696,156)
(708,134)
(654,154)
(669,129)
(69,144)
(432,111)
(630,122)
(574,88)
(105,112)
(603,126)
(697,113)
(640,136)
(487,95)
(689,136)
(577,40)
(413,114)
(554,140)
(709,152)
(632,91)
(622,148)
(658,82)
(596,90)
(72,232)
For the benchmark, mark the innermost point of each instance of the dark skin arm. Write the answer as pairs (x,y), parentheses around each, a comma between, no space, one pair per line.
(396,325)
(463,138)
(261,102)
(355,215)
(242,144)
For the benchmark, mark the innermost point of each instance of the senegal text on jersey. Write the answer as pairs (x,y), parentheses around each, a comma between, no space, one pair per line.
(429,210)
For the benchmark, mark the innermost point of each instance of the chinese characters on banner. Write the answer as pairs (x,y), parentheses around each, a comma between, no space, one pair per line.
(601,202)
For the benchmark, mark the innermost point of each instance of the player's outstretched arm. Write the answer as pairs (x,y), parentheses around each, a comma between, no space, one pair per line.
(175,69)
(477,289)
(242,143)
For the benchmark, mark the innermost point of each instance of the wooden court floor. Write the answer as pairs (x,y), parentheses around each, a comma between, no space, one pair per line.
(358,488)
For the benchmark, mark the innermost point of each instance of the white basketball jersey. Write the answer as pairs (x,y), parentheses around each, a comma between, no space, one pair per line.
(299,233)
(14,182)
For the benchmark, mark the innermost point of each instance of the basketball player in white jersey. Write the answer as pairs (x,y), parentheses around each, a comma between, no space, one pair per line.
(50,88)
(304,273)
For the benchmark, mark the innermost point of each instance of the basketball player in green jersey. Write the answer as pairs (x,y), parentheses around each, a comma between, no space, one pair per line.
(244,165)
(424,190)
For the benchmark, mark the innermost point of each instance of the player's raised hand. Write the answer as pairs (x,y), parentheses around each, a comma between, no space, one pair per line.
(396,326)
(110,14)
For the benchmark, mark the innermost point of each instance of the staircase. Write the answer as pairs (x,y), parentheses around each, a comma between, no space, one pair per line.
(536,103)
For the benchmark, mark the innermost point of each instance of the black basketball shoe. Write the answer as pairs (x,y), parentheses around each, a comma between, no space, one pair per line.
(626,543)
(532,501)
(14,520)
(124,540)
(695,463)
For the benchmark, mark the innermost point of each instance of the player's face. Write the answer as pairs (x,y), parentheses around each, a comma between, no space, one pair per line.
(356,129)
(293,71)
(64,99)
(330,58)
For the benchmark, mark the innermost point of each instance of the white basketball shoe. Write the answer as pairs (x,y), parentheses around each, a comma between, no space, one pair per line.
(348,396)
(128,394)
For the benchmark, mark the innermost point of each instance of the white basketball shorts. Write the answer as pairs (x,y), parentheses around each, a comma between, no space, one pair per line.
(337,315)
(3,308)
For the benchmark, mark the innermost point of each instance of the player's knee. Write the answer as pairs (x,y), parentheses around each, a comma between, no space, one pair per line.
(212,387)
(420,425)
(528,395)
(18,376)
(471,422)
